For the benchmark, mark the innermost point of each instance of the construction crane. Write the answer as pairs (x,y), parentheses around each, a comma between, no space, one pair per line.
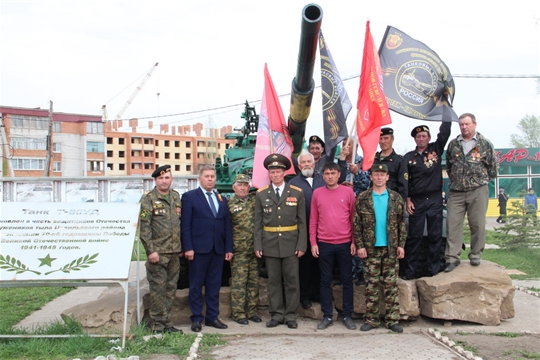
(130,100)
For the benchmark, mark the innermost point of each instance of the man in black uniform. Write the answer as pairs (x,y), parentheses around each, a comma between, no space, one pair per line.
(424,198)
(397,168)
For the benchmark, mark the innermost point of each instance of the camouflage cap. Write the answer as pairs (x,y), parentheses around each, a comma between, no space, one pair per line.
(242,178)
(379,167)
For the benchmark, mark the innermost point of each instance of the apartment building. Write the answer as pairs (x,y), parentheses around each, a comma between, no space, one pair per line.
(35,143)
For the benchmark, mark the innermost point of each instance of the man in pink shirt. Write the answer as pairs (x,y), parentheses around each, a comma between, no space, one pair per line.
(330,234)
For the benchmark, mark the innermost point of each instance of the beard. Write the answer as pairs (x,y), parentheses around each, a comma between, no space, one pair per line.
(307,172)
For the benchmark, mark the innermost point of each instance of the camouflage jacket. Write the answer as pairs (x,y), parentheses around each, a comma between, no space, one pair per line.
(364,222)
(470,171)
(159,222)
(242,220)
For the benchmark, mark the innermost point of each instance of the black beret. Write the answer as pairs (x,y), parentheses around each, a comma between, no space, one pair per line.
(387,131)
(316,139)
(161,171)
(418,129)
(276,161)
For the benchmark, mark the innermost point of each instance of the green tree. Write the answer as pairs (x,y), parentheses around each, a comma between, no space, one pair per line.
(521,229)
(529,127)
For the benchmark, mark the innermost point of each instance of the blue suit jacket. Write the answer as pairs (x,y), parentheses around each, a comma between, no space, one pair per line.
(200,230)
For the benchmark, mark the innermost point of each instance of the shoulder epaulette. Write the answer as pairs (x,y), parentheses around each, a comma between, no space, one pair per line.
(295,187)
(263,188)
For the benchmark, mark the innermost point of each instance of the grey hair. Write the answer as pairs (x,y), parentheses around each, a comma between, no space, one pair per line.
(306,153)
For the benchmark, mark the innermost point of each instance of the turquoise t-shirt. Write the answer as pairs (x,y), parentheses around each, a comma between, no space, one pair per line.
(380,203)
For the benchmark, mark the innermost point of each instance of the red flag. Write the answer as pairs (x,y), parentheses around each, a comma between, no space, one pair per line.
(373,110)
(272,135)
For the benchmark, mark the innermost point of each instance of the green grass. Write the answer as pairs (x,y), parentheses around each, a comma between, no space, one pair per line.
(533,288)
(507,334)
(523,354)
(464,345)
(18,303)
(88,347)
(523,259)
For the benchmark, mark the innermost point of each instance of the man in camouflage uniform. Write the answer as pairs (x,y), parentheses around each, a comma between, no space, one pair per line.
(397,167)
(160,235)
(380,234)
(471,163)
(244,264)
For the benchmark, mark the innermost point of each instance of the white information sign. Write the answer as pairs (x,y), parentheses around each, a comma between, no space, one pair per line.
(66,241)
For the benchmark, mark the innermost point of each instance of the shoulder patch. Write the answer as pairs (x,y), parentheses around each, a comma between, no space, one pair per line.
(263,188)
(295,187)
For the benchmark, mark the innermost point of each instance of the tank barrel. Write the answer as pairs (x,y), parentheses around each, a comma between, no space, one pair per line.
(303,84)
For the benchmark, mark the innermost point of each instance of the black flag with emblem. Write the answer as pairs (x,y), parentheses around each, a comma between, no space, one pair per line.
(335,101)
(417,83)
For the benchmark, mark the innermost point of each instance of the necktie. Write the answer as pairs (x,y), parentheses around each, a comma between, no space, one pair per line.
(211,201)
(277,193)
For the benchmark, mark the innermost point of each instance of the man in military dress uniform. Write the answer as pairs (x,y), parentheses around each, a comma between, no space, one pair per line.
(281,237)
(244,264)
(397,168)
(160,235)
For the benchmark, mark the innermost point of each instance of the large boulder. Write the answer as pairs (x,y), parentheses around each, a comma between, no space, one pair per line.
(482,294)
(106,314)
(408,300)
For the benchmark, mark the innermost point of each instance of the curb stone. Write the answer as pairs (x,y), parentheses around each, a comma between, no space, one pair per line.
(526,290)
(195,347)
(451,345)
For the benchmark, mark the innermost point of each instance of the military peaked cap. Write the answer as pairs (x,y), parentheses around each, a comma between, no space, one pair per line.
(277,161)
(162,170)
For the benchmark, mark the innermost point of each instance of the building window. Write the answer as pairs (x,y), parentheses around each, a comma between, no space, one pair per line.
(148,141)
(157,142)
(29,122)
(188,144)
(167,155)
(177,144)
(200,143)
(121,141)
(188,167)
(28,143)
(109,141)
(57,166)
(57,147)
(121,154)
(94,128)
(57,126)
(121,166)
(188,156)
(110,167)
(109,153)
(177,156)
(28,164)
(148,154)
(135,140)
(95,146)
(157,155)
(167,143)
(176,167)
(95,165)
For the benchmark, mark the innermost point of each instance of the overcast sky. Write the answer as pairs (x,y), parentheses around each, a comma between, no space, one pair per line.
(84,54)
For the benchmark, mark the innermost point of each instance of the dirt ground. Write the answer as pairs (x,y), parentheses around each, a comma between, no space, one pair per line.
(493,347)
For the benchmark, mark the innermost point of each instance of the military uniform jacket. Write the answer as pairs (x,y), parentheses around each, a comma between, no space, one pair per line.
(242,216)
(397,169)
(425,169)
(290,210)
(159,222)
(364,222)
(470,171)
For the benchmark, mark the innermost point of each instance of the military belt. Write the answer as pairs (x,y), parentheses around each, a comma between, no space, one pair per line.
(280,228)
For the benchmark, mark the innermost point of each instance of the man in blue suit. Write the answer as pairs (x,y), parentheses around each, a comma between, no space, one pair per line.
(207,242)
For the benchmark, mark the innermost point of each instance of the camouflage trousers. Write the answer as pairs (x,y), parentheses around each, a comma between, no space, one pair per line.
(245,285)
(379,268)
(162,278)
